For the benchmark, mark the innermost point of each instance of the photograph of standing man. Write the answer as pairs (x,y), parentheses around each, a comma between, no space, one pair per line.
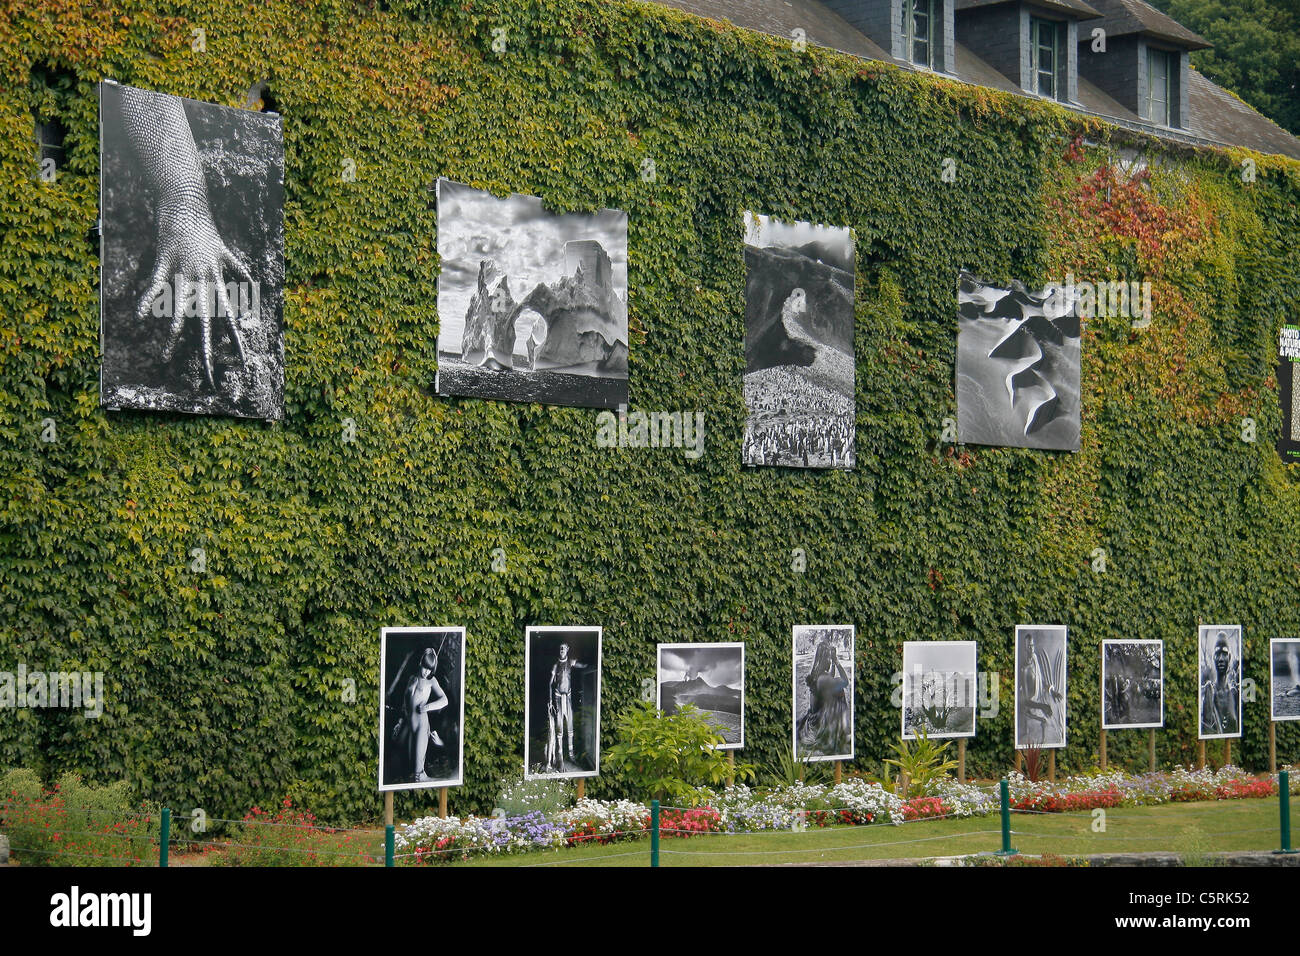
(1220,693)
(1040,687)
(562,736)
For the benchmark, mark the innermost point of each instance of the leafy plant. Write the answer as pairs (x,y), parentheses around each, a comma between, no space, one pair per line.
(919,761)
(787,769)
(1033,762)
(670,757)
(519,796)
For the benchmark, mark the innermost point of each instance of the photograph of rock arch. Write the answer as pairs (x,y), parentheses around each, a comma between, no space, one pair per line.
(532,304)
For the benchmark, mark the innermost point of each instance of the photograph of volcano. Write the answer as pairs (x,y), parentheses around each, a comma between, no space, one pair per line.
(710,677)
(1285,678)
(798,344)
(532,305)
(1133,686)
(191,296)
(1017,366)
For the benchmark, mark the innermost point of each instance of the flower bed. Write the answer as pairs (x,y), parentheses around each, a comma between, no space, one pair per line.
(854,802)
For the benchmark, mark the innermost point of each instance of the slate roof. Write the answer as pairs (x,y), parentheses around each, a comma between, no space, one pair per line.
(1217,118)
(1122,17)
(1076,8)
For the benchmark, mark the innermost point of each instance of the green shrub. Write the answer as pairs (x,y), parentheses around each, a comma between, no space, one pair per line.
(75,824)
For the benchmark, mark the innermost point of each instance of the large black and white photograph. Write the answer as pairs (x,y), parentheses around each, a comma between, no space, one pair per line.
(562,702)
(799,372)
(822,694)
(421,707)
(532,304)
(710,677)
(1040,686)
(1219,697)
(1017,365)
(1132,684)
(1284,674)
(192,256)
(940,685)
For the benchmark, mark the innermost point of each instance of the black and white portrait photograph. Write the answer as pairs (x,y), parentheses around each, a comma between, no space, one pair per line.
(1219,700)
(562,702)
(1132,684)
(710,677)
(1284,674)
(1040,686)
(422,707)
(940,685)
(798,344)
(192,256)
(1017,366)
(532,304)
(822,694)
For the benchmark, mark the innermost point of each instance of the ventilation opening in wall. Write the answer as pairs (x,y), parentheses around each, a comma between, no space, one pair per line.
(261,98)
(51,91)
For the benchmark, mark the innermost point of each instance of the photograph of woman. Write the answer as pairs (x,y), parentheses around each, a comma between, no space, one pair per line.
(422,707)
(823,692)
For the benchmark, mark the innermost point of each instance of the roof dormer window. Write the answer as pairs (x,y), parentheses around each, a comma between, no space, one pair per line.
(1162,73)
(919,21)
(1048,50)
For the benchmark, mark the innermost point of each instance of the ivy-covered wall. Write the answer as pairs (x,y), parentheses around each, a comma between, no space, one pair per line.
(230,687)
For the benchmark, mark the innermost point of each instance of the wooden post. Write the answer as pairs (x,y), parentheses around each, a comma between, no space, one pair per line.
(581,791)
(1227,751)
(388,808)
(1272,746)
(839,772)
(1200,753)
(1151,746)
(1019,758)
(1101,748)
(961,759)
(1051,765)
(442,803)
(731,769)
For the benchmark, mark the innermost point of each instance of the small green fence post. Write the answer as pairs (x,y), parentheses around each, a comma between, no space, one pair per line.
(389,841)
(164,836)
(654,832)
(1005,796)
(1284,810)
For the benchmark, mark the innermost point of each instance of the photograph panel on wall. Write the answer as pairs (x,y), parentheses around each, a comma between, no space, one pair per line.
(1284,674)
(1017,365)
(799,371)
(1219,696)
(421,707)
(191,256)
(710,677)
(1288,357)
(822,693)
(940,685)
(1040,686)
(1133,684)
(532,304)
(562,702)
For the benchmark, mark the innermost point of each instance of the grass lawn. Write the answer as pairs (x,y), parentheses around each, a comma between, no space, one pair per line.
(1192,829)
